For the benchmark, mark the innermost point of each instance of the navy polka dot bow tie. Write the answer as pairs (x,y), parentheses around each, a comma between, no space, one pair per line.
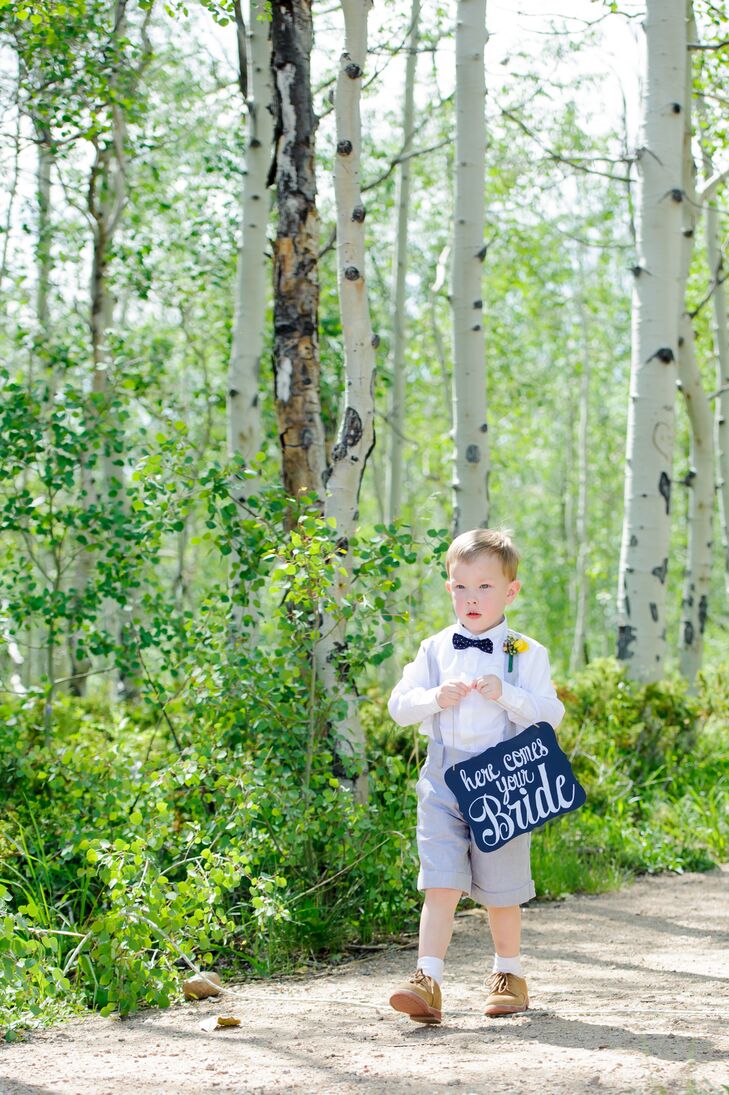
(461,642)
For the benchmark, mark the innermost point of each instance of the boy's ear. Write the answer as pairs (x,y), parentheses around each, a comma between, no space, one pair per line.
(448,584)
(513,590)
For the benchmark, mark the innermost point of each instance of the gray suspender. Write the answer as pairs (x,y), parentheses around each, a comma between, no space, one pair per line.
(511,676)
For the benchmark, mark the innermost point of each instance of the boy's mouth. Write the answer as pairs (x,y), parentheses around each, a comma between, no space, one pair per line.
(470,614)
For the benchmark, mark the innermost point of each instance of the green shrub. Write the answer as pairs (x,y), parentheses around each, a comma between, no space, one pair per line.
(215,831)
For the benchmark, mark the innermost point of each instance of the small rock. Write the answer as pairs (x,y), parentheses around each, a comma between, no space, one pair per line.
(199,988)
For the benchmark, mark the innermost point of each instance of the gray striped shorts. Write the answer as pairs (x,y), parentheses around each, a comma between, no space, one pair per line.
(449,859)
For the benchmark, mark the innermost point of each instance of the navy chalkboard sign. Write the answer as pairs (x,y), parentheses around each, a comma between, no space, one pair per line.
(515,786)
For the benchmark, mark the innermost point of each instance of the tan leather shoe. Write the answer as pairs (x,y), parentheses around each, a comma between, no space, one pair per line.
(419,998)
(507,994)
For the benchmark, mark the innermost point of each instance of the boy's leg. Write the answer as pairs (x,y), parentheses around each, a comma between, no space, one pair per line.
(436,922)
(445,874)
(505,924)
(507,988)
(502,882)
(420,997)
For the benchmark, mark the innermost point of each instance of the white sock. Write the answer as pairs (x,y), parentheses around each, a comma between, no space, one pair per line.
(432,967)
(508,965)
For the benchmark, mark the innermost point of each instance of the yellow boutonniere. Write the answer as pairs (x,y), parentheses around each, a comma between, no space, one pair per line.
(512,646)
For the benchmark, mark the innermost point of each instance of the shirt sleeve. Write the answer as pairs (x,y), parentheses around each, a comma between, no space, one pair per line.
(534,700)
(412,699)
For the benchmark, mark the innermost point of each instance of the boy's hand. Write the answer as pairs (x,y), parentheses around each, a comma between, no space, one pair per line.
(489,686)
(452,692)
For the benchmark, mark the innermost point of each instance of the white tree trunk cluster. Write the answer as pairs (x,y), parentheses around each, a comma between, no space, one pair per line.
(470,481)
(656,309)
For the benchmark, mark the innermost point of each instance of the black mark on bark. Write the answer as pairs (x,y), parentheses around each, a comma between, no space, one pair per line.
(661,571)
(350,435)
(665,355)
(626,636)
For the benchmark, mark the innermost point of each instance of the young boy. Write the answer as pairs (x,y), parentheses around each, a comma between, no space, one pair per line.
(466,697)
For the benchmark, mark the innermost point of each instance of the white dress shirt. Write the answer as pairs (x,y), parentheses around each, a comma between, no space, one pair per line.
(475,723)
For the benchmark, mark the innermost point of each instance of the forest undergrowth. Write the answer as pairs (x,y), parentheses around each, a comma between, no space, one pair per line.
(126,850)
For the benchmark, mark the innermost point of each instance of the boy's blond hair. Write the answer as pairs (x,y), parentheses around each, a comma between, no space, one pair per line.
(484,541)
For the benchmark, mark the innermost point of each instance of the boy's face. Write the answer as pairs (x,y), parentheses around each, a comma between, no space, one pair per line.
(480,592)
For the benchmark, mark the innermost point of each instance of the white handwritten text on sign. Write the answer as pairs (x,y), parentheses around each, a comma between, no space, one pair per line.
(515,786)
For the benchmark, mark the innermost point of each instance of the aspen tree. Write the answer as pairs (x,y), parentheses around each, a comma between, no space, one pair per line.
(399,326)
(355,438)
(577,656)
(44,254)
(471,469)
(244,410)
(700,479)
(295,256)
(721,348)
(107,197)
(244,415)
(656,309)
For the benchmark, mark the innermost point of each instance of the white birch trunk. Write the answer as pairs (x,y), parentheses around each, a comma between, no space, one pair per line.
(12,191)
(356,432)
(656,310)
(470,481)
(577,656)
(700,483)
(107,197)
(44,255)
(397,403)
(244,414)
(700,480)
(721,349)
(244,410)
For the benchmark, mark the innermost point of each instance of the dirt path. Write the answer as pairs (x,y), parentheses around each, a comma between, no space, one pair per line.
(630,993)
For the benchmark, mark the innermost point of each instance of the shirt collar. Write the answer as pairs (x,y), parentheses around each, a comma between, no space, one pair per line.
(497,634)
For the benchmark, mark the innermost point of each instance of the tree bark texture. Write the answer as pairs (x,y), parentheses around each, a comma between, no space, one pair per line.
(471,470)
(700,478)
(656,309)
(244,416)
(577,656)
(700,484)
(400,265)
(107,197)
(244,412)
(718,271)
(44,254)
(355,438)
(295,263)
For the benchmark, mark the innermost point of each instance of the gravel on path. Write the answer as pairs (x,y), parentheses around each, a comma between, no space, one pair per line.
(629,993)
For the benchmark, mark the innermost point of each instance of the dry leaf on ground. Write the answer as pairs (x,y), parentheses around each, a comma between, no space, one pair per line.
(219,1022)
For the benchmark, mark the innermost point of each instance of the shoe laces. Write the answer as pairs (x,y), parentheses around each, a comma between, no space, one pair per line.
(499,982)
(420,978)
